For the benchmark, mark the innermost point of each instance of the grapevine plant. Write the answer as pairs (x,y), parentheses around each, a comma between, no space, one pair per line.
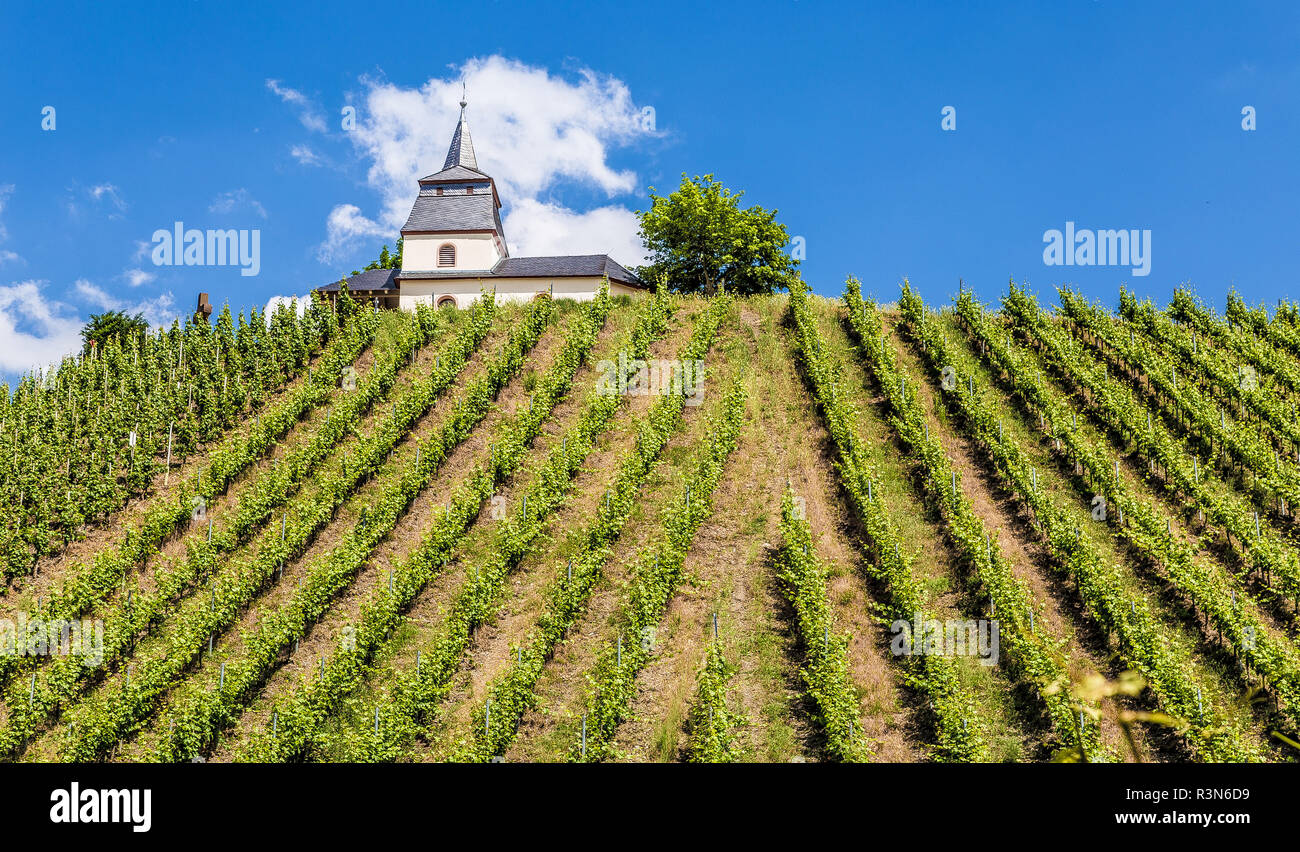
(512,693)
(825,671)
(1025,643)
(314,700)
(1117,607)
(956,724)
(655,575)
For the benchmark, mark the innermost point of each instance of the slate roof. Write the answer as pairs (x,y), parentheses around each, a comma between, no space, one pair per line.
(476,212)
(371,279)
(458,174)
(461,151)
(562,266)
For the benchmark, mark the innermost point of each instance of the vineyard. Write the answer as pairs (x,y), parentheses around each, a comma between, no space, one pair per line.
(776,529)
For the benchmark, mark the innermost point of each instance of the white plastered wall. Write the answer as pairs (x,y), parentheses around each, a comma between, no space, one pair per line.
(473,251)
(466,291)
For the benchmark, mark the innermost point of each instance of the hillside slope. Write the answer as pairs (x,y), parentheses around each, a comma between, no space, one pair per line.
(487,549)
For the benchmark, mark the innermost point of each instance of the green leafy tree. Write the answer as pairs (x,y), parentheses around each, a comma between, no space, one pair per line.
(703,241)
(387,260)
(112,324)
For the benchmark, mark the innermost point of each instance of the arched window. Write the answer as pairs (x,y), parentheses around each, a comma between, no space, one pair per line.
(447,255)
(444,301)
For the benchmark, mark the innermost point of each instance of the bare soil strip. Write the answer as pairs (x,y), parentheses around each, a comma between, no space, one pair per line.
(431,602)
(545,733)
(729,571)
(492,647)
(324,635)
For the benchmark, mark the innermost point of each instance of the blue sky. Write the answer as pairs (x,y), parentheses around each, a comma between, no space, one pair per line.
(1110,115)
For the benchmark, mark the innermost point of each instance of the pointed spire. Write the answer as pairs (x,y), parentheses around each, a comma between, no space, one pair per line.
(461,150)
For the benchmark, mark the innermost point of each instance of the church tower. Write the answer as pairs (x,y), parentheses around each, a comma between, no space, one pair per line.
(455,225)
(454,248)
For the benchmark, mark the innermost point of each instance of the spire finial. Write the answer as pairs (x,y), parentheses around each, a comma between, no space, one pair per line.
(463,103)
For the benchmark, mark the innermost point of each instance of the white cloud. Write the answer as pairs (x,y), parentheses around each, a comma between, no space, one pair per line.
(236,199)
(305,155)
(100,194)
(308,113)
(7,256)
(302,303)
(137,277)
(160,310)
(94,295)
(35,331)
(102,191)
(541,228)
(533,132)
(344,230)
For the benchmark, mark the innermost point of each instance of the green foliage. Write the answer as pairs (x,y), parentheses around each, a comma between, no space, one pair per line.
(112,326)
(1147,529)
(298,733)
(960,733)
(1279,374)
(1025,642)
(1274,481)
(347,306)
(1157,380)
(655,576)
(701,241)
(711,727)
(201,714)
(386,260)
(235,582)
(91,584)
(825,671)
(1211,388)
(567,596)
(78,442)
(1209,735)
(1099,583)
